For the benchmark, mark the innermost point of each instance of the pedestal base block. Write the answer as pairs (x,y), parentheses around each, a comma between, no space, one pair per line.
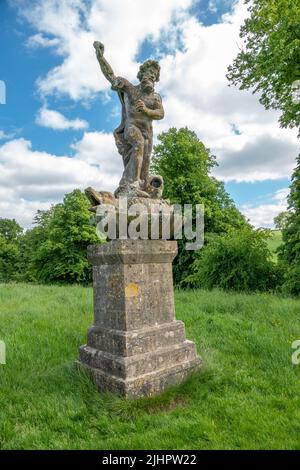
(149,384)
(136,347)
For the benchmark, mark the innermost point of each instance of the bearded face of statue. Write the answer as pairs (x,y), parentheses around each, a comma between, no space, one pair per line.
(148,80)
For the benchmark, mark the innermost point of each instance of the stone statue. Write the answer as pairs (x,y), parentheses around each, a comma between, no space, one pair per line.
(134,136)
(134,140)
(136,347)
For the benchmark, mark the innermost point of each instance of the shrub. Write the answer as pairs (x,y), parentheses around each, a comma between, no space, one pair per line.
(239,260)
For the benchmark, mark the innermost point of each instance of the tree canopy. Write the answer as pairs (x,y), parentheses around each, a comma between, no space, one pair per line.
(54,250)
(269,61)
(290,250)
(185,165)
(10,231)
(281,220)
(63,234)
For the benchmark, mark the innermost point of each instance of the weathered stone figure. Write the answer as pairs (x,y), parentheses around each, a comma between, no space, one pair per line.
(136,347)
(140,105)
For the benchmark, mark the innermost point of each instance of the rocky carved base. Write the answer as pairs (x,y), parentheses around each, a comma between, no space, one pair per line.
(153,218)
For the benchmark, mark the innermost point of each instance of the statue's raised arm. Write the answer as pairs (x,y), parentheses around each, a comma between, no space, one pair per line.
(104,65)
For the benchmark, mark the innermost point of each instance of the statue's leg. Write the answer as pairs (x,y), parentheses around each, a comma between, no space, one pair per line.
(132,170)
(148,144)
(122,144)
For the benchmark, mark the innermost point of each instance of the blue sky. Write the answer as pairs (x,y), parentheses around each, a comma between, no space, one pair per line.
(56,126)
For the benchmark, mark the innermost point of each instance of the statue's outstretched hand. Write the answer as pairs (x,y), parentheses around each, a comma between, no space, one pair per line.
(99,47)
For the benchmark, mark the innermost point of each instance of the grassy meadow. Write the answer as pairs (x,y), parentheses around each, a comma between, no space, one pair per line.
(274,242)
(247,395)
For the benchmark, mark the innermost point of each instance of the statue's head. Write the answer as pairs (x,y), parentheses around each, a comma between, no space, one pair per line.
(148,74)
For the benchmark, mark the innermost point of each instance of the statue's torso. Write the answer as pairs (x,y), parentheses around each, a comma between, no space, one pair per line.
(131,95)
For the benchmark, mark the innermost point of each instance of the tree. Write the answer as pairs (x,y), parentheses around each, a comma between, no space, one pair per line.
(281,220)
(57,246)
(238,260)
(9,260)
(185,165)
(10,229)
(30,242)
(10,232)
(289,253)
(269,62)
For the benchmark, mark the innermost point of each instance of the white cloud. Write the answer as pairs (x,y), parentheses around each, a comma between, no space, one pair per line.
(31,180)
(57,121)
(39,40)
(266,156)
(281,195)
(22,211)
(75,24)
(2,135)
(263,215)
(96,146)
(212,6)
(193,77)
(247,140)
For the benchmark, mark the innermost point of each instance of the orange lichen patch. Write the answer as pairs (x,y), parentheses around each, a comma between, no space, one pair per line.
(132,290)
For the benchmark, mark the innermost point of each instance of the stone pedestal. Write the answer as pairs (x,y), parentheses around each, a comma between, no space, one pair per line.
(136,346)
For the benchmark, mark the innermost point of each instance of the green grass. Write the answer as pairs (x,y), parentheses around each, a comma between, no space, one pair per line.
(274,242)
(246,397)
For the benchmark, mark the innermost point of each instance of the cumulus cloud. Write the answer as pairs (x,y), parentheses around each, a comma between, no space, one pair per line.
(247,140)
(263,215)
(57,121)
(22,211)
(268,157)
(39,40)
(97,148)
(194,58)
(31,180)
(72,26)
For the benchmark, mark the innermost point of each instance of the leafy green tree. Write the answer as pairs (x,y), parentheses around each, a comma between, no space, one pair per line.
(185,165)
(9,260)
(289,253)
(281,220)
(238,260)
(10,232)
(57,246)
(10,229)
(269,62)
(30,242)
